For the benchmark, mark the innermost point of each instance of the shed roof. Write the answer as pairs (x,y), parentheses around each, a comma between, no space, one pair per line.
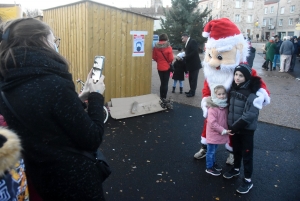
(148,11)
(99,4)
(9,5)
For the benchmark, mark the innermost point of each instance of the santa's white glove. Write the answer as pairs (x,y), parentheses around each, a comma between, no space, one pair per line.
(203,106)
(263,99)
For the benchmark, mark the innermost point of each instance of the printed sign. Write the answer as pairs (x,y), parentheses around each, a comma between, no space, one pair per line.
(138,43)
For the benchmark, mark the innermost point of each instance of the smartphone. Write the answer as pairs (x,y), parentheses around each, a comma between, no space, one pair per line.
(98,67)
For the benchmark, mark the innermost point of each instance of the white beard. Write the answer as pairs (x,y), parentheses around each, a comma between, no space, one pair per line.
(224,76)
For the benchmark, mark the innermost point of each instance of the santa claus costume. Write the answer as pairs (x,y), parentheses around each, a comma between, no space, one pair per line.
(226,48)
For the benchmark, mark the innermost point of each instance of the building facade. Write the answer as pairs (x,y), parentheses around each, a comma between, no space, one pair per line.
(246,14)
(280,18)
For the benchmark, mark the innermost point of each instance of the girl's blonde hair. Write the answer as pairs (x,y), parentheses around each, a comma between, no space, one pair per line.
(219,87)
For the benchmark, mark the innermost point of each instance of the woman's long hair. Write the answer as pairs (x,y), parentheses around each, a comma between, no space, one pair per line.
(25,32)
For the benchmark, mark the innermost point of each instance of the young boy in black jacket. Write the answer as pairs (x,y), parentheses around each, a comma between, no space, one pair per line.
(242,120)
(179,70)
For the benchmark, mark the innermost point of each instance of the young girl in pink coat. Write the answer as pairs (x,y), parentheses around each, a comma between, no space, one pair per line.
(216,130)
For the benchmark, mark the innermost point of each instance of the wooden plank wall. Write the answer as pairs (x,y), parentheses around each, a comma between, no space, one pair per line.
(88,29)
(69,24)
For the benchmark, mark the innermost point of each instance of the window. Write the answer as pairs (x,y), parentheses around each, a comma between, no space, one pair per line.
(249,18)
(266,10)
(264,22)
(237,18)
(292,9)
(272,9)
(281,10)
(270,21)
(218,4)
(280,22)
(237,4)
(250,4)
(290,21)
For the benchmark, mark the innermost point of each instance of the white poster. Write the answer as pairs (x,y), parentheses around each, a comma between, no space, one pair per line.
(138,43)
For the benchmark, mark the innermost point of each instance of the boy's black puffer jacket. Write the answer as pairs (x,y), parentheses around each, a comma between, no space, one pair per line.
(242,114)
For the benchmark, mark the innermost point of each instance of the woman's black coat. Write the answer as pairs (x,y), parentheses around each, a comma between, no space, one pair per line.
(42,93)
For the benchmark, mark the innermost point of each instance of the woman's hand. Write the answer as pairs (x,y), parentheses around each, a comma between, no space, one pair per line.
(85,92)
(89,86)
(98,87)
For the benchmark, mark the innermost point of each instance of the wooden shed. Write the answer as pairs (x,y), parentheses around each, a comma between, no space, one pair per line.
(88,28)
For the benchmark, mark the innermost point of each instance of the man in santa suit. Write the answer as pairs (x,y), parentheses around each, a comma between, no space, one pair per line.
(226,48)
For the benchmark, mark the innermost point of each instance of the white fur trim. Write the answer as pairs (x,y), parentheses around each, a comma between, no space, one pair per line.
(259,100)
(205,34)
(10,152)
(267,99)
(203,140)
(225,48)
(228,147)
(230,40)
(203,106)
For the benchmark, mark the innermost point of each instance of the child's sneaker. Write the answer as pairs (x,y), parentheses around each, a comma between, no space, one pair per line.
(245,187)
(217,167)
(213,171)
(231,173)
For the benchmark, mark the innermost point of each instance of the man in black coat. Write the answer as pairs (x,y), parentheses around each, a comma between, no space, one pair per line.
(193,63)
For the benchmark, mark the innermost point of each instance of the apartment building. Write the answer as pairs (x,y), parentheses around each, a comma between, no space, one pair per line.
(246,14)
(280,18)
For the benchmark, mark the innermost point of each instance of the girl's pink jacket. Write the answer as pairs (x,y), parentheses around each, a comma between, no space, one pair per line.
(216,123)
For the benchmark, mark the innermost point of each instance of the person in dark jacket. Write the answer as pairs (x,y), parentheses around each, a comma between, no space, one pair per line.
(50,115)
(163,55)
(242,121)
(295,42)
(278,43)
(251,56)
(179,70)
(193,63)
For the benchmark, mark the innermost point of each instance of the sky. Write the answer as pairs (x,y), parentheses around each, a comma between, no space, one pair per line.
(43,4)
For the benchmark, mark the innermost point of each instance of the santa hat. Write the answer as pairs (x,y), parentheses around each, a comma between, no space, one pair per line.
(223,34)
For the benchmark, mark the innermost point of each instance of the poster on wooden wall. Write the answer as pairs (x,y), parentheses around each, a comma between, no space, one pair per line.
(138,43)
